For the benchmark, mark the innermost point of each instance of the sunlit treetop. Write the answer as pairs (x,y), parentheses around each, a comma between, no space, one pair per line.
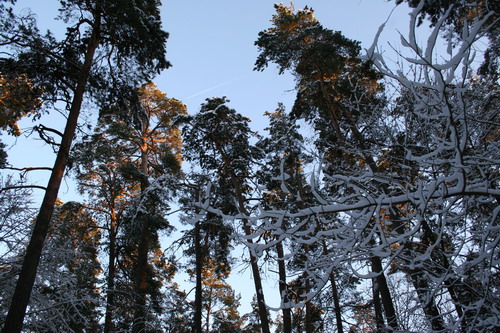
(18,98)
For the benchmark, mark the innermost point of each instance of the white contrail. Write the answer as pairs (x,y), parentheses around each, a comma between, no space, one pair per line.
(216,87)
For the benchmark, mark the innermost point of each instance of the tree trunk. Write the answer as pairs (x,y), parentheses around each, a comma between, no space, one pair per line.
(24,286)
(287,312)
(385,293)
(110,297)
(141,285)
(377,306)
(336,303)
(421,285)
(361,142)
(335,294)
(309,309)
(383,288)
(198,295)
(264,320)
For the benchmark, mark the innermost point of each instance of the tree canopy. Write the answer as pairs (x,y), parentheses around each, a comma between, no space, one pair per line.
(369,205)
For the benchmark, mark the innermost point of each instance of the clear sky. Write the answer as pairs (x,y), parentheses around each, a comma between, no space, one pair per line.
(211,47)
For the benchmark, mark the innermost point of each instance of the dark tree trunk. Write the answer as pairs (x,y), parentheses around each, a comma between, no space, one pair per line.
(377,306)
(380,283)
(385,293)
(110,280)
(24,286)
(199,267)
(141,269)
(264,320)
(421,285)
(309,309)
(336,303)
(287,313)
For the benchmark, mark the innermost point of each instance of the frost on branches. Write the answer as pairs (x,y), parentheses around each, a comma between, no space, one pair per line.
(420,203)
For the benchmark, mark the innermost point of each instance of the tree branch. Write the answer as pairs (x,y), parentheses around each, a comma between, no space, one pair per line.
(22,186)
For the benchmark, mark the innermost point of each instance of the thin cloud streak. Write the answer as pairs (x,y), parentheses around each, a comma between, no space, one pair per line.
(216,87)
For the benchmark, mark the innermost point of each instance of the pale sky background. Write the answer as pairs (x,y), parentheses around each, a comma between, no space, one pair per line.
(211,47)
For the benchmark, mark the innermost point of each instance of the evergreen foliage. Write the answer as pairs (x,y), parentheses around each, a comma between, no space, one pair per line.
(372,205)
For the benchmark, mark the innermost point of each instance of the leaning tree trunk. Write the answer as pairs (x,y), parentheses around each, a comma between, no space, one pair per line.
(335,116)
(385,294)
(422,287)
(335,295)
(336,303)
(264,320)
(309,307)
(24,286)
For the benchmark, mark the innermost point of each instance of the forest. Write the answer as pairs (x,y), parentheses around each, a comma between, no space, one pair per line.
(371,205)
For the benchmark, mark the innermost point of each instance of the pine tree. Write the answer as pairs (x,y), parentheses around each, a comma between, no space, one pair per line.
(217,138)
(97,162)
(404,180)
(209,240)
(220,303)
(132,38)
(66,295)
(336,92)
(128,160)
(282,176)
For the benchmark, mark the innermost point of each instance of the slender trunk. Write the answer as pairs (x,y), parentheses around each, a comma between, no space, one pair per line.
(264,320)
(377,306)
(336,303)
(110,297)
(199,263)
(209,310)
(24,286)
(361,143)
(335,294)
(458,292)
(385,293)
(141,285)
(441,265)
(287,312)
(309,309)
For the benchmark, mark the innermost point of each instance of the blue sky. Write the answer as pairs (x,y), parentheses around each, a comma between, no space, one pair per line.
(211,47)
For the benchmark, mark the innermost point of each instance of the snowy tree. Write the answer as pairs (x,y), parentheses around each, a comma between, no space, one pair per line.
(66,294)
(104,40)
(217,138)
(423,200)
(121,167)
